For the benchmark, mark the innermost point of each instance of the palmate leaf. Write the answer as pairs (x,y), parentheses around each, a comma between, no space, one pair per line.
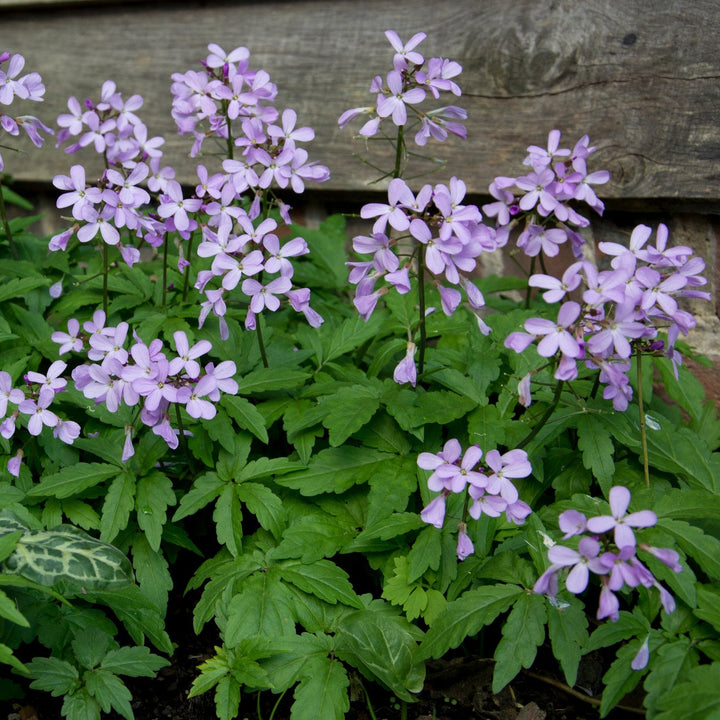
(466,616)
(522,633)
(68,554)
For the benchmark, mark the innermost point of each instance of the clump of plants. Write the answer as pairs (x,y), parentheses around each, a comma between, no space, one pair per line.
(367,461)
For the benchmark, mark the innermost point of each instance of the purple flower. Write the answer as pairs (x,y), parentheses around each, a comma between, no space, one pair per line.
(38,412)
(406,372)
(582,561)
(434,512)
(394,102)
(464,544)
(174,205)
(619,520)
(513,464)
(556,336)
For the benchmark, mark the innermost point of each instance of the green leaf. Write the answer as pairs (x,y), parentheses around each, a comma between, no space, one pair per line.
(626,626)
(68,554)
(265,505)
(81,706)
(228,519)
(425,553)
(597,449)
(133,662)
(20,287)
(58,677)
(9,611)
(8,541)
(686,390)
(227,697)
(695,699)
(322,691)
(246,415)
(204,490)
(264,606)
(702,548)
(672,664)
(567,628)
(708,609)
(7,658)
(323,579)
(314,536)
(686,504)
(381,648)
(264,379)
(152,571)
(466,616)
(73,480)
(620,678)
(351,334)
(522,633)
(110,691)
(335,470)
(119,502)
(90,646)
(221,430)
(390,488)
(154,494)
(349,409)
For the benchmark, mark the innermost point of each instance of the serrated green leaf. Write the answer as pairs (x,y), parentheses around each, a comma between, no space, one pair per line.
(466,616)
(347,411)
(620,678)
(264,379)
(425,553)
(671,665)
(323,579)
(695,699)
(58,677)
(597,448)
(567,629)
(227,698)
(7,658)
(81,514)
(335,470)
(264,606)
(686,504)
(322,691)
(119,502)
(221,430)
(702,548)
(315,536)
(522,633)
(90,646)
(265,467)
(351,334)
(81,706)
(204,490)
(19,287)
(686,390)
(265,505)
(391,487)
(133,662)
(708,609)
(153,495)
(228,519)
(151,571)
(9,611)
(73,480)
(627,625)
(246,415)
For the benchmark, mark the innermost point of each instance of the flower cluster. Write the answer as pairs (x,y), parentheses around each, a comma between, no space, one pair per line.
(622,308)
(543,198)
(608,548)
(33,403)
(490,486)
(405,87)
(234,104)
(144,375)
(433,229)
(115,203)
(25,87)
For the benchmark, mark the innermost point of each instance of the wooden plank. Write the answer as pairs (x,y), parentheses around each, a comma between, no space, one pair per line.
(640,76)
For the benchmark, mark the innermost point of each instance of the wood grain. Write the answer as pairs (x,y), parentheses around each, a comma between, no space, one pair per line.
(641,77)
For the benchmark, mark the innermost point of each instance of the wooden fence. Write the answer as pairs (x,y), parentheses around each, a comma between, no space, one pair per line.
(641,77)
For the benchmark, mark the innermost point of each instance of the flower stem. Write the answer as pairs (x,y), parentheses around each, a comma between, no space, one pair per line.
(261,342)
(643,428)
(6,226)
(164,273)
(546,416)
(421,307)
(106,269)
(187,269)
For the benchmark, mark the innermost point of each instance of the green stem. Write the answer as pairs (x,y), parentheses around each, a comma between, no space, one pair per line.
(186,284)
(421,305)
(643,429)
(399,152)
(164,273)
(183,439)
(6,226)
(529,290)
(106,269)
(261,342)
(546,416)
(277,704)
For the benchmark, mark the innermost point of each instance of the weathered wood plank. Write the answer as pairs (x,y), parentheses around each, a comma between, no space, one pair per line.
(641,77)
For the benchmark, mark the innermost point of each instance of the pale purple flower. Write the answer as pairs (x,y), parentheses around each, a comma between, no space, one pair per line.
(8,393)
(512,464)
(394,103)
(174,205)
(79,196)
(263,296)
(52,381)
(434,512)
(640,661)
(464,544)
(14,464)
(187,356)
(405,54)
(619,520)
(39,414)
(572,522)
(67,431)
(406,372)
(581,561)
(556,336)
(196,405)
